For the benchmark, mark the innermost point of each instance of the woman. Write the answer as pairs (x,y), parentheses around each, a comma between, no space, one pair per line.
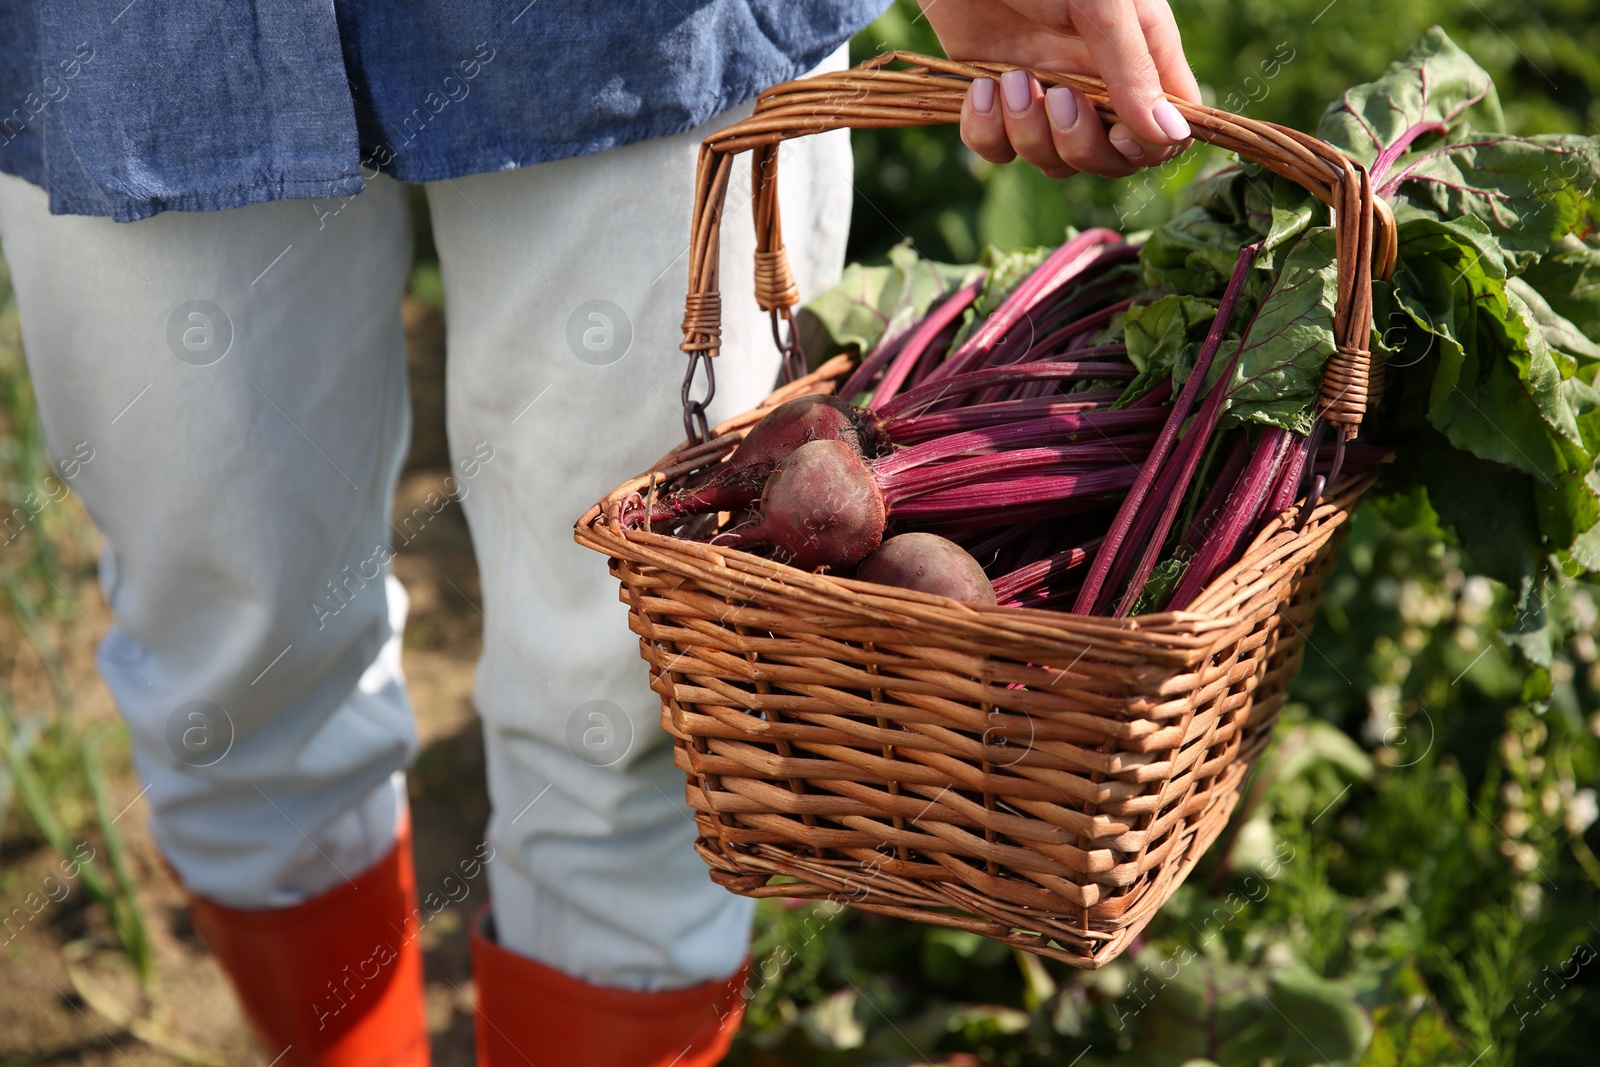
(227,347)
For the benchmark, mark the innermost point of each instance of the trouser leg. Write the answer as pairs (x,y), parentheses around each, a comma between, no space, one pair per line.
(227,392)
(564,288)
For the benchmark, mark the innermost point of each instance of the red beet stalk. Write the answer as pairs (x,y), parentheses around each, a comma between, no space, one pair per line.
(940,390)
(1039,574)
(1033,489)
(909,429)
(1245,502)
(889,346)
(919,342)
(1057,316)
(904,484)
(1216,500)
(1084,429)
(1062,266)
(1094,589)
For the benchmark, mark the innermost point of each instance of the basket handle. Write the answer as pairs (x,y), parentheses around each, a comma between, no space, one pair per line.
(930,91)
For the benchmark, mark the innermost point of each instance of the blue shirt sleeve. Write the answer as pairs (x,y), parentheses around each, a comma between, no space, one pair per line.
(128,109)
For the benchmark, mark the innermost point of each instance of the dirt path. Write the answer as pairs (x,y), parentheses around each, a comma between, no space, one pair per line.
(43,1020)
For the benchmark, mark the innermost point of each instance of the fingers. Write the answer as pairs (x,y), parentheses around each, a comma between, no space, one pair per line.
(1166,50)
(1079,137)
(1139,151)
(983,126)
(1057,131)
(1003,119)
(1026,125)
(1114,32)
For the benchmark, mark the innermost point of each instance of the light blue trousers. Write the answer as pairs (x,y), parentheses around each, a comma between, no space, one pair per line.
(238,380)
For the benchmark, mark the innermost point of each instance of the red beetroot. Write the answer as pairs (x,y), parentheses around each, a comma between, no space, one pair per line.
(820,508)
(1078,432)
(739,481)
(928,563)
(808,418)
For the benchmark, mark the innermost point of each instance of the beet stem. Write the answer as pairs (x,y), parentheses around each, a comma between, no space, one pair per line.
(1032,433)
(909,429)
(1025,579)
(1093,585)
(1221,545)
(1217,499)
(887,348)
(1028,489)
(925,333)
(937,390)
(900,486)
(1061,266)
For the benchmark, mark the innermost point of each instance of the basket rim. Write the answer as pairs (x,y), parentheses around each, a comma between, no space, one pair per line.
(1233,599)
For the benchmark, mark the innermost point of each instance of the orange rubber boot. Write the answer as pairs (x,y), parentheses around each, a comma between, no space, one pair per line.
(335,981)
(531,1013)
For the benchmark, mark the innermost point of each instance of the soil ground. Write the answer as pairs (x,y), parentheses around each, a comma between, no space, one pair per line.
(44,1019)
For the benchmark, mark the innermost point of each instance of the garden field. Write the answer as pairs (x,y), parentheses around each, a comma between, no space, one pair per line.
(1411,878)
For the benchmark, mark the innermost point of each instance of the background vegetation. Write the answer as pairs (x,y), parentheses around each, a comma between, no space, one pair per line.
(1412,879)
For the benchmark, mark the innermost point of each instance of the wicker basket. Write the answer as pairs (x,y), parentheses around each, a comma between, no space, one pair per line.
(1042,778)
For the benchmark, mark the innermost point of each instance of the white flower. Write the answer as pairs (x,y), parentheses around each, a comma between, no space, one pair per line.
(1584,609)
(1477,597)
(1582,810)
(1529,897)
(1524,857)
(1550,803)
(1514,823)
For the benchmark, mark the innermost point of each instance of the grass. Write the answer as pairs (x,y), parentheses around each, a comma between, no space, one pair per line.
(54,764)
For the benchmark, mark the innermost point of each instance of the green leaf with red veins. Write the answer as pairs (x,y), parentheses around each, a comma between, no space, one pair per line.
(1498,389)
(1279,210)
(1280,364)
(1568,277)
(868,301)
(1580,353)
(1431,131)
(1436,91)
(1163,338)
(1532,192)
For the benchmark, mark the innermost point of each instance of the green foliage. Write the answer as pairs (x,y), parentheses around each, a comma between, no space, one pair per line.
(1481,359)
(1411,877)
(1278,60)
(1163,338)
(1281,355)
(871,301)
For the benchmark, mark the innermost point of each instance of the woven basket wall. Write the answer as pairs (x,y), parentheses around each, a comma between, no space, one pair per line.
(1042,778)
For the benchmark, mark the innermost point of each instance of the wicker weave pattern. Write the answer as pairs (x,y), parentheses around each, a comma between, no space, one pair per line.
(877,745)
(1041,778)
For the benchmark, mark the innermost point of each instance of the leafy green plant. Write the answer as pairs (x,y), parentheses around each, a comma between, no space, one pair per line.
(1411,877)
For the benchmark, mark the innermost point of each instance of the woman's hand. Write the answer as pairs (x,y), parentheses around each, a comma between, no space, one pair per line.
(1133,45)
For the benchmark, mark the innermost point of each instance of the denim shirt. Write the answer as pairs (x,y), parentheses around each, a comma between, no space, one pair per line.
(128,109)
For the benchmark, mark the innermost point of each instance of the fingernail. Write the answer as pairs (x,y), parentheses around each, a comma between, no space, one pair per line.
(1127,147)
(1062,104)
(983,96)
(1172,124)
(1014,83)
